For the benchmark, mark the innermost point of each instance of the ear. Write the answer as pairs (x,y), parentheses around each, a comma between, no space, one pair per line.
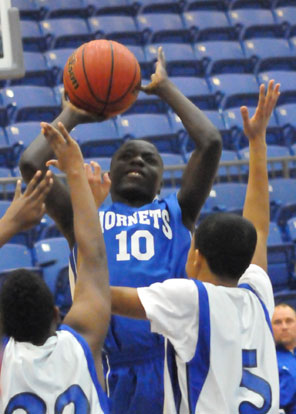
(197,261)
(56,315)
(160,187)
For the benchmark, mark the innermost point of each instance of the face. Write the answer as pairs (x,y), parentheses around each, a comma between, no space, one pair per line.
(136,172)
(284,326)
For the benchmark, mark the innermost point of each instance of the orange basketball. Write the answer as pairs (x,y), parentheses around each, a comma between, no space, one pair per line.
(102,76)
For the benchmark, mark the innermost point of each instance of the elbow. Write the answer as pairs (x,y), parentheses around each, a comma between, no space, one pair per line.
(27,167)
(214,142)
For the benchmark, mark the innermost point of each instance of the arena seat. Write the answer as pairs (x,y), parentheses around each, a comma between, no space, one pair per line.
(41,105)
(155,128)
(155,6)
(116,7)
(97,139)
(28,9)
(226,197)
(56,60)
(15,256)
(65,32)
(162,27)
(51,255)
(246,17)
(261,48)
(119,28)
(32,36)
(282,198)
(286,14)
(62,8)
(172,178)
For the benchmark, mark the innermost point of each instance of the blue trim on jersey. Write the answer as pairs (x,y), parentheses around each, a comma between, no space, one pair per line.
(91,366)
(198,367)
(173,372)
(247,286)
(5,341)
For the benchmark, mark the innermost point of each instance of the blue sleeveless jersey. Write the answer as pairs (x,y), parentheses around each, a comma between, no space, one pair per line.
(144,245)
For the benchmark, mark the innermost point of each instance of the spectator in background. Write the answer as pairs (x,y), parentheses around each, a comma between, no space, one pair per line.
(284,329)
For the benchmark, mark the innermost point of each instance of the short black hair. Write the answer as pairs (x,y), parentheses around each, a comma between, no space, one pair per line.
(228,242)
(26,307)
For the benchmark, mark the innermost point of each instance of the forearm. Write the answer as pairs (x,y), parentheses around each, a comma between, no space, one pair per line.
(87,230)
(256,208)
(198,126)
(7,231)
(125,302)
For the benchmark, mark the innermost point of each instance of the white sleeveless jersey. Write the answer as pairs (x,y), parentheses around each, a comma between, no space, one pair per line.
(58,377)
(220,352)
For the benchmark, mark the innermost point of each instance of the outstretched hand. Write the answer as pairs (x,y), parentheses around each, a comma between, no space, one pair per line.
(27,209)
(255,127)
(99,187)
(66,149)
(159,77)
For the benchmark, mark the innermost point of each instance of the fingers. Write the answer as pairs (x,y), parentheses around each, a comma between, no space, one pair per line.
(64,132)
(55,136)
(53,163)
(43,188)
(245,116)
(32,184)
(97,169)
(106,179)
(18,189)
(160,55)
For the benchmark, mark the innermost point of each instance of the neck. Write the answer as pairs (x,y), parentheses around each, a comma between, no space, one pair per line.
(131,199)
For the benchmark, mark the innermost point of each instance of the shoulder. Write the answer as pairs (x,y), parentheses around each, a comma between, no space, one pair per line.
(260,282)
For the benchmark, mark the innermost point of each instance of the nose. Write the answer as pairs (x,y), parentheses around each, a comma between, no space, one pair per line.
(137,160)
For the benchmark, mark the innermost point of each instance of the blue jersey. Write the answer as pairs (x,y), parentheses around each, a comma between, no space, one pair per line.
(144,245)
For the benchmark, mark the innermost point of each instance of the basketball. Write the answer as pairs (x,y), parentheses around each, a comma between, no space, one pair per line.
(103,77)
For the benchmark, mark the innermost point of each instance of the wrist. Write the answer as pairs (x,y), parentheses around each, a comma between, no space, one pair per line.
(163,87)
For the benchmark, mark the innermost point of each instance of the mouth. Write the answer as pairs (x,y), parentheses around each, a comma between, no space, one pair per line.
(134,173)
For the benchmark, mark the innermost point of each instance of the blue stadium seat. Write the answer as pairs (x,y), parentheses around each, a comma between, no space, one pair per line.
(231,172)
(28,9)
(117,7)
(37,71)
(139,52)
(147,103)
(155,6)
(286,119)
(120,28)
(32,36)
(287,78)
(167,191)
(282,198)
(62,8)
(65,32)
(6,190)
(249,4)
(280,255)
(162,27)
(206,5)
(180,59)
(97,139)
(172,177)
(287,296)
(267,47)
(286,14)
(226,197)
(15,256)
(5,148)
(220,54)
(41,104)
(56,60)
(51,255)
(155,128)
(235,89)
(47,229)
(197,90)
(201,19)
(23,133)
(251,17)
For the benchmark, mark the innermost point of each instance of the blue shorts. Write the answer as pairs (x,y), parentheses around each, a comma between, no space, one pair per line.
(135,386)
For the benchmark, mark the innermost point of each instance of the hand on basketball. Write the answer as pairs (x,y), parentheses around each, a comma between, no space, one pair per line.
(81,116)
(159,77)
(66,149)
(27,209)
(99,187)
(255,127)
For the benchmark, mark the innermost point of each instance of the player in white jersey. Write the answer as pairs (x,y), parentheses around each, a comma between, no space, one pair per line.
(49,368)
(220,352)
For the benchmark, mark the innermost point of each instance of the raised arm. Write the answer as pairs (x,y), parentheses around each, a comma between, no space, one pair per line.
(256,207)
(58,203)
(25,210)
(200,172)
(90,311)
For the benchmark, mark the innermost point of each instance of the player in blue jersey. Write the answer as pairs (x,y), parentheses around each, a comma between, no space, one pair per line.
(47,368)
(220,352)
(146,238)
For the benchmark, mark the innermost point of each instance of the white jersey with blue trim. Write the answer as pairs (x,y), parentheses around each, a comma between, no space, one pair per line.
(57,377)
(220,352)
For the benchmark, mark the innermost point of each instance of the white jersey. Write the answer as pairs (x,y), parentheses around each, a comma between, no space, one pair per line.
(57,377)
(220,352)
